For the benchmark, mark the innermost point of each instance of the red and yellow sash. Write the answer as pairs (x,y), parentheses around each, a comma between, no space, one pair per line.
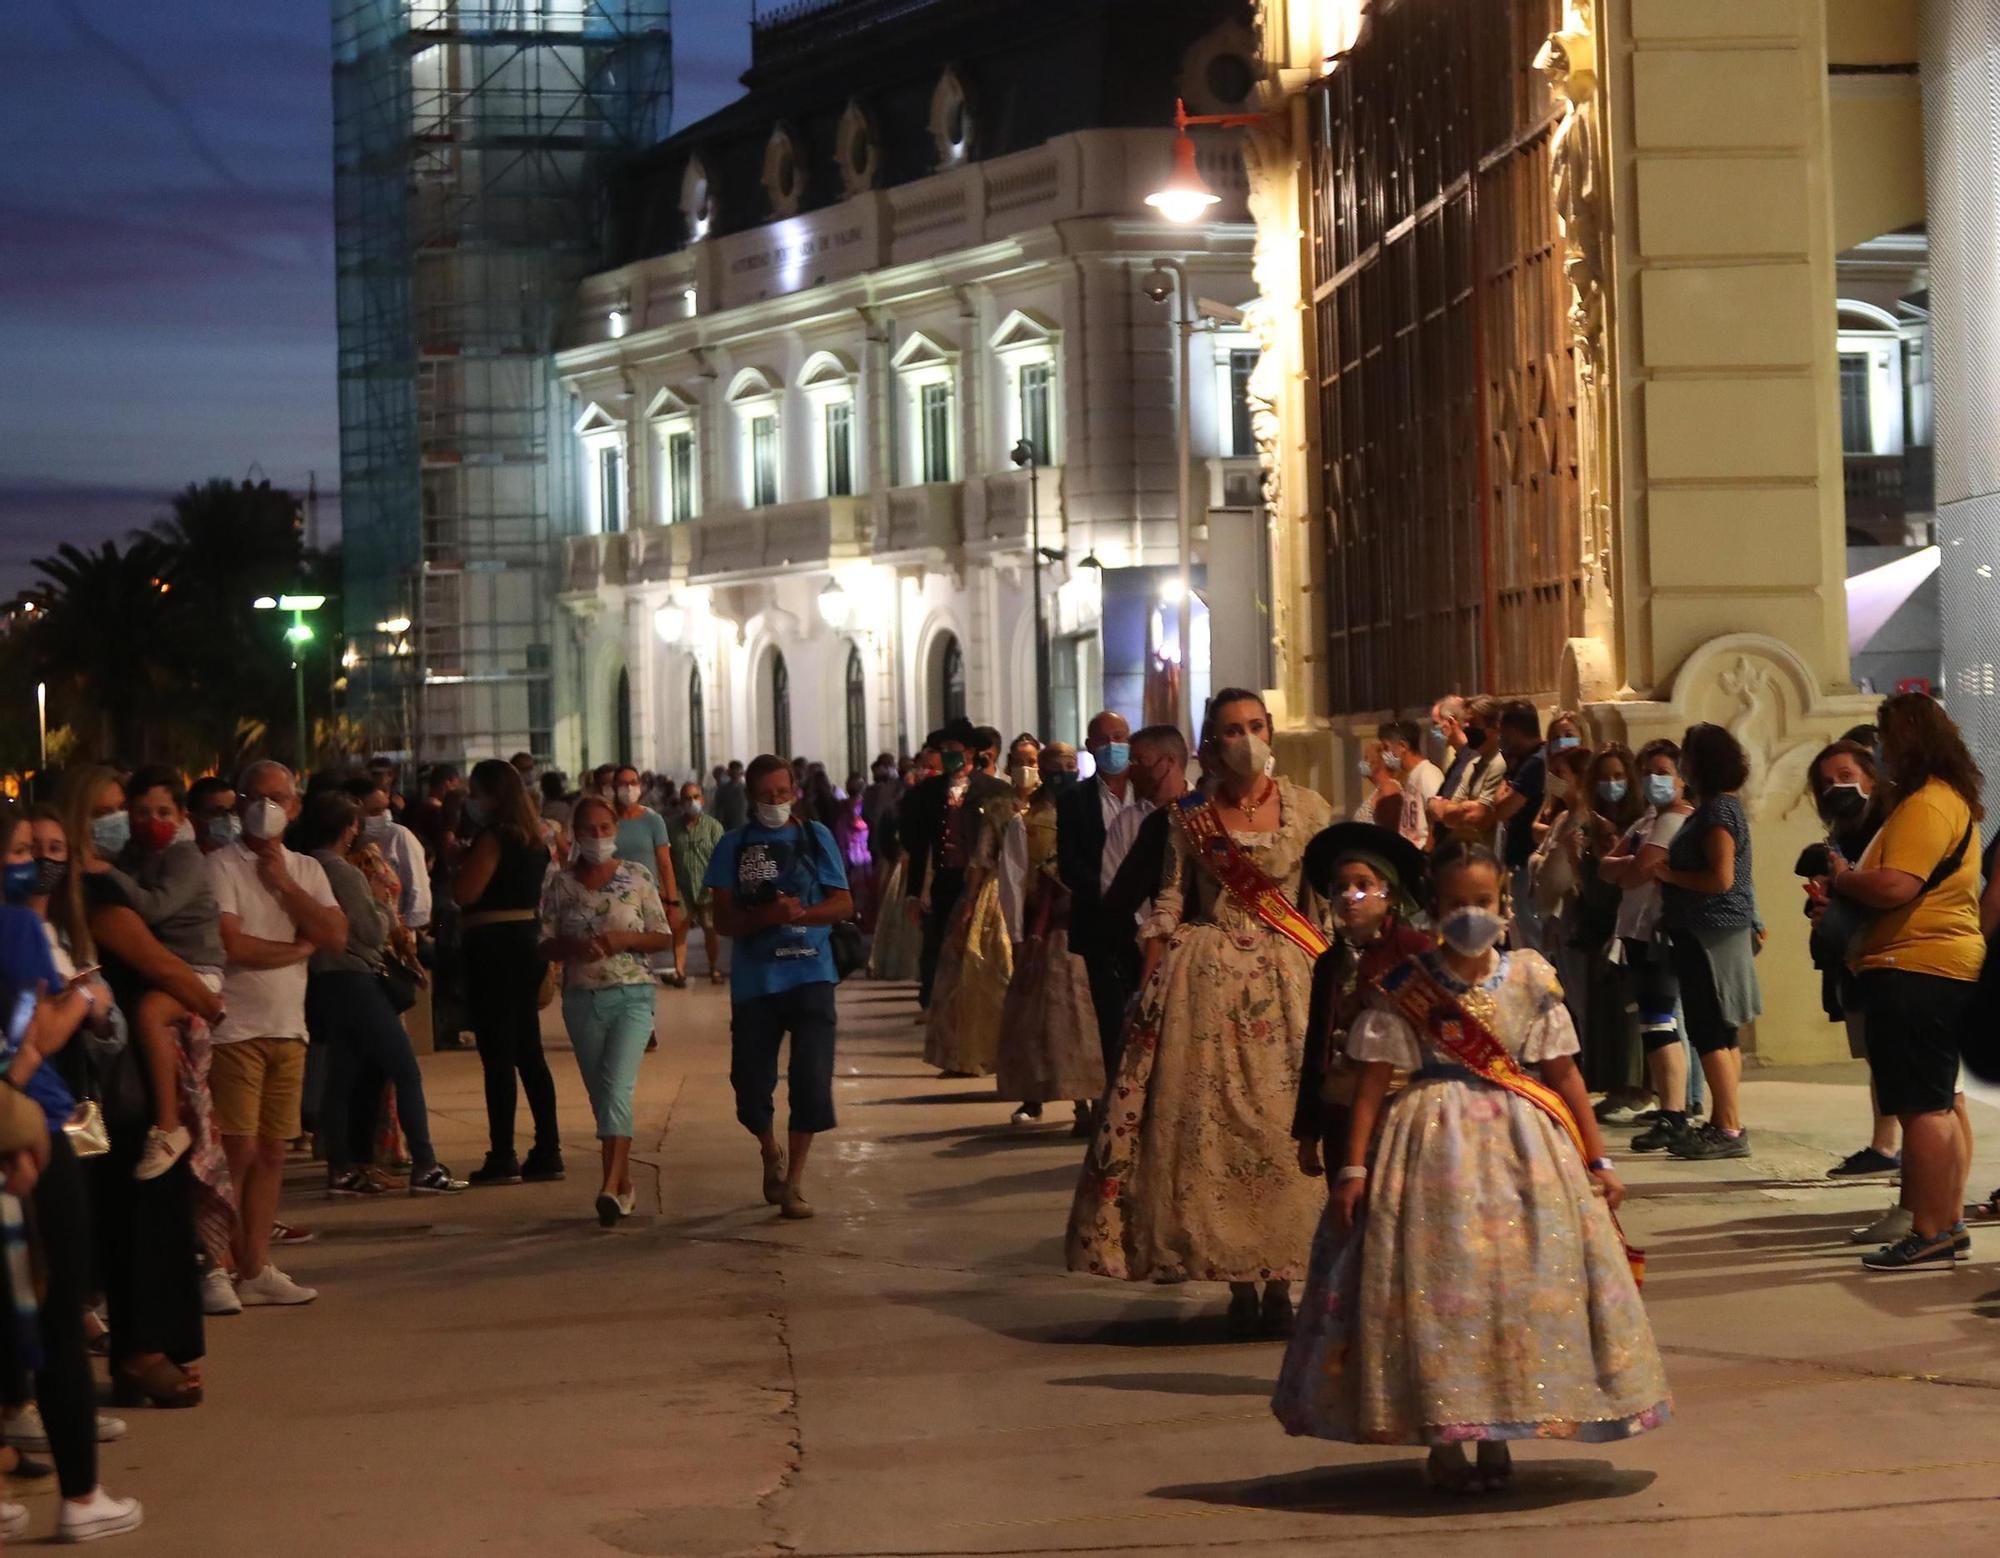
(1242,877)
(1441,1017)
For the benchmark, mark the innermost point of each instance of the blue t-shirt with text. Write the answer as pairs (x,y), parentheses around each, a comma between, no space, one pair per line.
(756,864)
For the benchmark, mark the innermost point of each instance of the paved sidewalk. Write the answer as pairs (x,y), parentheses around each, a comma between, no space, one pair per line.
(913,1372)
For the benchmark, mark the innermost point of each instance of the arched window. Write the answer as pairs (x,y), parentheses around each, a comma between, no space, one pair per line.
(697,725)
(781,706)
(621,717)
(951,679)
(857,713)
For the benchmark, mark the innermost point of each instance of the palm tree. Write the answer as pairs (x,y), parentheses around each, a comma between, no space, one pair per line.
(104,634)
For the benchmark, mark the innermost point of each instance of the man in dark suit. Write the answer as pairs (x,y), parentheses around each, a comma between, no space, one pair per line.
(1159,778)
(1083,861)
(938,835)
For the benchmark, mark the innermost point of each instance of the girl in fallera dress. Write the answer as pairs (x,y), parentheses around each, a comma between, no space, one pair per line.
(1469,1283)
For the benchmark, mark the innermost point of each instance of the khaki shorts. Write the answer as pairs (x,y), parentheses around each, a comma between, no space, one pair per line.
(258,1086)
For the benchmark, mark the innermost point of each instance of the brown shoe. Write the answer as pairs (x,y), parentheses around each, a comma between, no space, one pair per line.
(774,1180)
(795,1205)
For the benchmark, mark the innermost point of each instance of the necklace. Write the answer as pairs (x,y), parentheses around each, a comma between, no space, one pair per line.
(1249,808)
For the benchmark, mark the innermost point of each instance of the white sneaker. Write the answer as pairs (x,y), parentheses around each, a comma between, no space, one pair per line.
(100,1515)
(218,1294)
(26,1431)
(627,1202)
(13,1521)
(163,1151)
(272,1286)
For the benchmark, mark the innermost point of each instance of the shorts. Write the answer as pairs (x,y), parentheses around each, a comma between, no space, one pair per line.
(258,1086)
(1709,1031)
(1649,976)
(1913,1038)
(700,916)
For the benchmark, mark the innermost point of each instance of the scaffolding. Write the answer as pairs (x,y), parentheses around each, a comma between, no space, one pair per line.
(471,142)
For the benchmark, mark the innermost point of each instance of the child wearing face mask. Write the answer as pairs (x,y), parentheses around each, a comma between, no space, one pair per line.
(1469,1282)
(163,876)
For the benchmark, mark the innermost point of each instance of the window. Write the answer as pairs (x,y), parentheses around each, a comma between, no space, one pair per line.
(934,430)
(1242,442)
(763,460)
(697,724)
(621,717)
(1038,383)
(857,713)
(680,475)
(1857,421)
(781,706)
(951,681)
(610,489)
(1444,415)
(838,417)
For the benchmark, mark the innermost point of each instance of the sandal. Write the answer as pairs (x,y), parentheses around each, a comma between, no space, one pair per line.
(1449,1472)
(161,1383)
(774,1180)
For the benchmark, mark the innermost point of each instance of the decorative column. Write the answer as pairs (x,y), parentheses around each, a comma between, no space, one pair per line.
(1726,505)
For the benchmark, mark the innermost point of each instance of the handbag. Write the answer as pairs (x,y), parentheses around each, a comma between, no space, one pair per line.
(1844,922)
(552,976)
(88,1135)
(844,938)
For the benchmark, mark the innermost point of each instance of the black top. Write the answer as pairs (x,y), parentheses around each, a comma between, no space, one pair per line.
(517,879)
(102,891)
(1527,779)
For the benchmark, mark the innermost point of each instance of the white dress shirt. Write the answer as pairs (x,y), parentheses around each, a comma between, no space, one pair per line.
(405,853)
(1122,816)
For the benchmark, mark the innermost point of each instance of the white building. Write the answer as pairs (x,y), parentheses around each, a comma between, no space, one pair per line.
(802,525)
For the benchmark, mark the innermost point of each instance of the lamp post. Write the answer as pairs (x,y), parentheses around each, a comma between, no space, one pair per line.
(297,636)
(1168,279)
(42,729)
(1028,457)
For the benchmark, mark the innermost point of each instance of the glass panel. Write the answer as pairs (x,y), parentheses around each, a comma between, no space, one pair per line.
(1037,411)
(857,714)
(763,460)
(781,707)
(840,449)
(1241,365)
(935,421)
(680,477)
(697,725)
(1857,425)
(611,489)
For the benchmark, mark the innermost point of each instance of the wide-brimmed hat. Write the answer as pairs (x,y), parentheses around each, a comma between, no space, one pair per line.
(1383,849)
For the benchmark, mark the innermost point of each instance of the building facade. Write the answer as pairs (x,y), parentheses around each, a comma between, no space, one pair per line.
(1604,328)
(898,348)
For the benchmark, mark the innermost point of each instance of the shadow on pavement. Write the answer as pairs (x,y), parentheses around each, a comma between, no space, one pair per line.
(1056,1177)
(1179,1329)
(1397,1488)
(986,1097)
(1176,1384)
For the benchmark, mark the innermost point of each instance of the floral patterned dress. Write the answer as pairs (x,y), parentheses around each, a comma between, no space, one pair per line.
(1485,1293)
(898,938)
(1049,1048)
(1194,1175)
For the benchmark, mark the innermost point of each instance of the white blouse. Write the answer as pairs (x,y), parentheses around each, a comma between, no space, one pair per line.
(1531,1020)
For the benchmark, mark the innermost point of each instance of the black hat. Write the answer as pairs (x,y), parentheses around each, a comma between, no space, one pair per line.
(1406,865)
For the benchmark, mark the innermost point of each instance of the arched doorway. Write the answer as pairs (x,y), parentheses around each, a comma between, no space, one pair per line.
(621,717)
(697,724)
(781,706)
(857,713)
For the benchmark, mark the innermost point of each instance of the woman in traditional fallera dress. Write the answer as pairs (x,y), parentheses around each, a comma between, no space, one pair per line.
(962,1028)
(1469,1283)
(1192,1173)
(1049,1046)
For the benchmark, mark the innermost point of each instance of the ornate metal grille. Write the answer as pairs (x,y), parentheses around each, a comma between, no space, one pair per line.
(1446,394)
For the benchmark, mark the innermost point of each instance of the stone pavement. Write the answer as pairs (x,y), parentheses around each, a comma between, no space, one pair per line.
(914,1373)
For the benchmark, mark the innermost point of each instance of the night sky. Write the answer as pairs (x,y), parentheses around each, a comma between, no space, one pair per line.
(166,250)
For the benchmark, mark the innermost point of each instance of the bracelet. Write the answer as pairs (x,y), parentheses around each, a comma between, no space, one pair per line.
(1600,1165)
(1350,1171)
(672,903)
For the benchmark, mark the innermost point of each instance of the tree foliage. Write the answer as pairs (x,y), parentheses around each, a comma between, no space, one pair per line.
(154,651)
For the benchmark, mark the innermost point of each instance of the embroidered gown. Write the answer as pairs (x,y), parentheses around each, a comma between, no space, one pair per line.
(1484,1293)
(898,939)
(962,1030)
(1049,1048)
(1193,1175)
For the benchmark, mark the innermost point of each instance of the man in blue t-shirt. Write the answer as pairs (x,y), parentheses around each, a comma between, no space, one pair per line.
(779,885)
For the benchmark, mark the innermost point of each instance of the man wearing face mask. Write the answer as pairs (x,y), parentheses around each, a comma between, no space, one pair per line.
(1462,810)
(277,910)
(642,835)
(1515,809)
(211,808)
(693,835)
(1140,836)
(1421,779)
(1087,862)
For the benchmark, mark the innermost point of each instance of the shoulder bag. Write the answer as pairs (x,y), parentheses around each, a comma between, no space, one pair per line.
(844,939)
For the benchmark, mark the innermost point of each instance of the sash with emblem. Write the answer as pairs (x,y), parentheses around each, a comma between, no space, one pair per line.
(1241,877)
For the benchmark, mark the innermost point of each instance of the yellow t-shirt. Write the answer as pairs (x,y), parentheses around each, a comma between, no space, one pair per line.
(1939,933)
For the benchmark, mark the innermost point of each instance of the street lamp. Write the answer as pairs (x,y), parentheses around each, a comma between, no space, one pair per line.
(1186,196)
(298,635)
(1168,279)
(834,605)
(669,621)
(1028,457)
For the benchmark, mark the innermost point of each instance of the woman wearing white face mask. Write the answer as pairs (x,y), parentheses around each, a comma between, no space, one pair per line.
(1191,1175)
(1487,1295)
(601,918)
